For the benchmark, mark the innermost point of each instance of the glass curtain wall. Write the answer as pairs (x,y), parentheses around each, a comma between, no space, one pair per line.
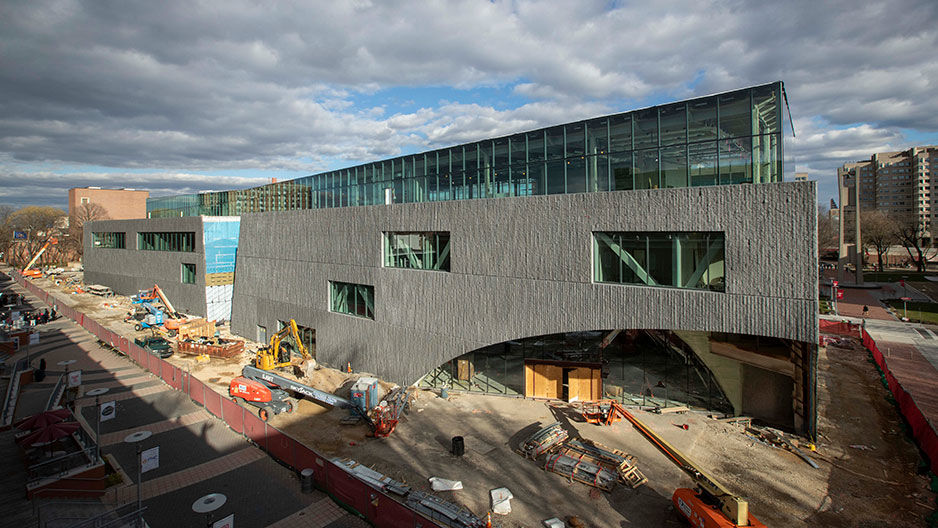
(728,138)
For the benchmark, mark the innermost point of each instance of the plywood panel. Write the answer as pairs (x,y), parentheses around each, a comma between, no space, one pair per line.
(529,380)
(553,381)
(596,384)
(578,384)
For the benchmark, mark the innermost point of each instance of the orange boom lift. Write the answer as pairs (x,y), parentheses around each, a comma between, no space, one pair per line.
(711,505)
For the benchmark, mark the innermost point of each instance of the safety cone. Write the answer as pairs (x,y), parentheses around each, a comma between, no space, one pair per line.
(348,367)
(488,520)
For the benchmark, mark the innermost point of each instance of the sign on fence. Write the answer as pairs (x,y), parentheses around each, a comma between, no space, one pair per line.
(74,378)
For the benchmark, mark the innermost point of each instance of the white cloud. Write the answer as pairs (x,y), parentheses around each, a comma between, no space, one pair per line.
(185,86)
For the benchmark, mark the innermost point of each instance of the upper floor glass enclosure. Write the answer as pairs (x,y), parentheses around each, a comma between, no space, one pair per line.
(729,138)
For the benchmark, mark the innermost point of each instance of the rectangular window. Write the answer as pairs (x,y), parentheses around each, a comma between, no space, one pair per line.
(108,240)
(188,273)
(352,299)
(172,241)
(688,260)
(417,250)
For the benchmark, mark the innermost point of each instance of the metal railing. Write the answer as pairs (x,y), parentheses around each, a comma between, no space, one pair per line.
(126,515)
(9,402)
(60,466)
(57,393)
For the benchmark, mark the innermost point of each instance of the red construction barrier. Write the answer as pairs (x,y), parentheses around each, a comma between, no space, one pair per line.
(213,402)
(349,490)
(922,431)
(234,415)
(255,429)
(392,514)
(839,328)
(281,446)
(196,390)
(307,458)
(124,345)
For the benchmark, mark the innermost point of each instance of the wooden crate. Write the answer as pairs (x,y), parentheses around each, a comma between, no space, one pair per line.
(197,328)
(225,348)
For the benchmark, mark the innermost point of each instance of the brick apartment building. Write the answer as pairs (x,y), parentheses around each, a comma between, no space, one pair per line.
(120,204)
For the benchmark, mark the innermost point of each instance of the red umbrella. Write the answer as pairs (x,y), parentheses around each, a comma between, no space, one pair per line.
(49,433)
(43,419)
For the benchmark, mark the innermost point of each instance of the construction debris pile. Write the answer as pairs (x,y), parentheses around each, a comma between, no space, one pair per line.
(584,461)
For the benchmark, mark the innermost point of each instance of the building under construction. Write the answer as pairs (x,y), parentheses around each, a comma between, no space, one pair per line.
(654,256)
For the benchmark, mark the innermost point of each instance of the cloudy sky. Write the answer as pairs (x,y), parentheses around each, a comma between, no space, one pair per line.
(196,95)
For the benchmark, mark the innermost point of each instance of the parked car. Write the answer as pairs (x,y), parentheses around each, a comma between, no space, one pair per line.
(156,345)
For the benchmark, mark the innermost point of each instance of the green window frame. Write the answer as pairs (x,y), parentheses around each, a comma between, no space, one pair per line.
(357,300)
(103,240)
(422,250)
(179,241)
(686,260)
(187,273)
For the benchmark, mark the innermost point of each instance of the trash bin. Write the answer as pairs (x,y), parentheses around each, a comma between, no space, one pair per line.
(306,480)
(459,446)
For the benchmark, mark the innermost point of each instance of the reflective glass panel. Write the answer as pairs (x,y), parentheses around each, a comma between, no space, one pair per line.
(674,167)
(646,168)
(597,173)
(536,145)
(576,175)
(734,115)
(736,160)
(620,133)
(597,136)
(554,142)
(646,128)
(765,159)
(575,139)
(766,109)
(501,153)
(673,119)
(556,183)
(702,163)
(622,173)
(519,149)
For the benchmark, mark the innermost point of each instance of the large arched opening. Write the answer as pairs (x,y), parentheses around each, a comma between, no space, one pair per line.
(722,374)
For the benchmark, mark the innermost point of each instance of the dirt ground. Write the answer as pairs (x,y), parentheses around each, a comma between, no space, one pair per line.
(867,476)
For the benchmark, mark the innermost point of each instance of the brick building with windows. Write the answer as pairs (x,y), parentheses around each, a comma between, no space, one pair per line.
(119,204)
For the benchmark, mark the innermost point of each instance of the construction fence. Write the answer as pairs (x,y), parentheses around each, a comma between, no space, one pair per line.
(373,504)
(923,432)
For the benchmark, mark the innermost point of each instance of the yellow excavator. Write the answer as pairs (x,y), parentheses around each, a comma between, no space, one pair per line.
(279,352)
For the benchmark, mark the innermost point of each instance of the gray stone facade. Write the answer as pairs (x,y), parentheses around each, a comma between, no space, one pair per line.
(128,270)
(522,267)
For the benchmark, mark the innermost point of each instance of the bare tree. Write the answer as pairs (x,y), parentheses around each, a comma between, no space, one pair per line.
(827,237)
(879,232)
(6,232)
(86,212)
(41,224)
(911,234)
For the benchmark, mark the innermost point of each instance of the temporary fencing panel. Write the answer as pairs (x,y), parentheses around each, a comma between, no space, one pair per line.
(255,429)
(281,446)
(196,390)
(124,345)
(171,375)
(234,414)
(922,430)
(307,458)
(392,514)
(213,402)
(348,489)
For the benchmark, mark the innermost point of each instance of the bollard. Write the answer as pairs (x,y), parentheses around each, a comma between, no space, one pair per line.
(459,446)
(306,480)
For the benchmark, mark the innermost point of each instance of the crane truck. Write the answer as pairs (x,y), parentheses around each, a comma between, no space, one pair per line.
(711,505)
(27,272)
